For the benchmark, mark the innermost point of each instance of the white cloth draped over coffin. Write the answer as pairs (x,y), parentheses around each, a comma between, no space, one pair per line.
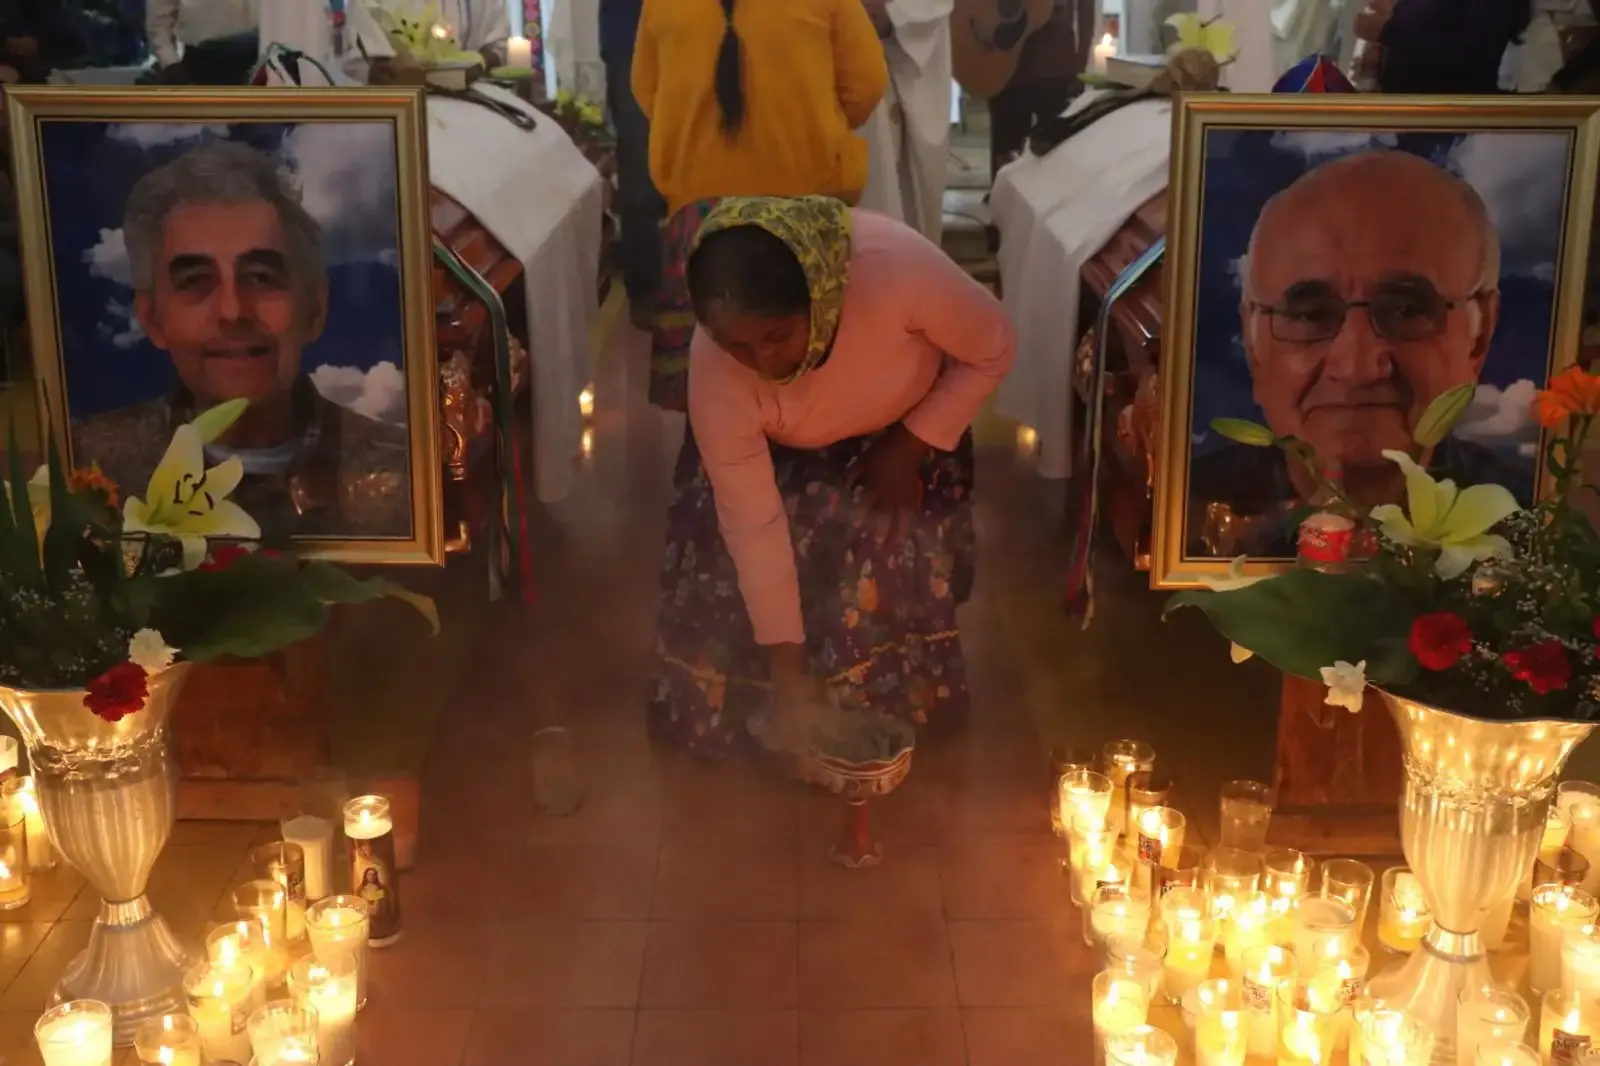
(908,136)
(542,199)
(1055,213)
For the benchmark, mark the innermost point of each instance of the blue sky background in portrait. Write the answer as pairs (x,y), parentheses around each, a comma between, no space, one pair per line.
(346,173)
(1522,180)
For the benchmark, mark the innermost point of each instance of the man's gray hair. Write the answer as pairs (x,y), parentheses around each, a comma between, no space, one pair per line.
(220,172)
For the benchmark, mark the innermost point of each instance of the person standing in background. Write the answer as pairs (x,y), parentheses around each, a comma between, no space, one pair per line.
(642,208)
(1048,76)
(1442,47)
(35,35)
(908,136)
(203,42)
(746,98)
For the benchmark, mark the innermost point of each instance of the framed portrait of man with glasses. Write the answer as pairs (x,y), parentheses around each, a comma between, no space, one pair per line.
(1334,264)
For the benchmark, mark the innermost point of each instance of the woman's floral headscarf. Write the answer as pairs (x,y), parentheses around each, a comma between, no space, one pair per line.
(817,230)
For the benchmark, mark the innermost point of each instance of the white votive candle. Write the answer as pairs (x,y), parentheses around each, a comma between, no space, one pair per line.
(1485,1015)
(75,1033)
(1118,1003)
(1265,968)
(41,853)
(330,988)
(1580,961)
(170,1040)
(1118,910)
(1555,910)
(519,53)
(1220,1038)
(1322,927)
(1403,914)
(1246,929)
(315,837)
(337,928)
(1191,941)
(220,1001)
(1564,1027)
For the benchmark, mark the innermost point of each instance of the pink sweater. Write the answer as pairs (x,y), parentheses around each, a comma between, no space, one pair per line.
(919,341)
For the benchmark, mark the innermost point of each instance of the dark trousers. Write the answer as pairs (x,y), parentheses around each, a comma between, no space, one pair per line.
(639,204)
(1014,110)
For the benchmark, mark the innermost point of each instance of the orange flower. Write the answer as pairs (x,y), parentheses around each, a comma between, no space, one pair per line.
(91,478)
(867,594)
(1574,391)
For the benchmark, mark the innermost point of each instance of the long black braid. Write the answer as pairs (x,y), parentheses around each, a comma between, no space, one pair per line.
(730,75)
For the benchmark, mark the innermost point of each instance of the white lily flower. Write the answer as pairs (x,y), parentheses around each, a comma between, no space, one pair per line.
(1347,685)
(1454,521)
(1239,653)
(149,650)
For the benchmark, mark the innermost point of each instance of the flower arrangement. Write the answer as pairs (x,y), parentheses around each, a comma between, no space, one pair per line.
(1462,599)
(99,593)
(583,118)
(426,39)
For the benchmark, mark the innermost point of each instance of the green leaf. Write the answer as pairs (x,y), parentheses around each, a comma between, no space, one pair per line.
(215,421)
(1443,414)
(333,585)
(69,519)
(1244,431)
(25,556)
(1303,620)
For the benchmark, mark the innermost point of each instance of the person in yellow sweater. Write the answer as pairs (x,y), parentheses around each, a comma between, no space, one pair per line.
(746,98)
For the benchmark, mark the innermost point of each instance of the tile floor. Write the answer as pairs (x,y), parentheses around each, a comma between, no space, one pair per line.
(688,916)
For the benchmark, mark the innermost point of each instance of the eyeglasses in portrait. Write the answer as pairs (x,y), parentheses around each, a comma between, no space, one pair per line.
(1337,263)
(184,249)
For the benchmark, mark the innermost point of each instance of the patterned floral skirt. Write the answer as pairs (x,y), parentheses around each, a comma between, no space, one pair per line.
(674,326)
(879,605)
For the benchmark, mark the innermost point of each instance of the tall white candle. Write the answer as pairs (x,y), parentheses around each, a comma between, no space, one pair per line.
(315,837)
(76,1033)
(519,53)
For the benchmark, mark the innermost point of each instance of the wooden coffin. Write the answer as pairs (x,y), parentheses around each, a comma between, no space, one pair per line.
(1338,775)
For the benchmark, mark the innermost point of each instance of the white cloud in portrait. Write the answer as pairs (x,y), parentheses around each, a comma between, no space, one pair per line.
(1522,178)
(1499,414)
(345,173)
(378,393)
(1320,145)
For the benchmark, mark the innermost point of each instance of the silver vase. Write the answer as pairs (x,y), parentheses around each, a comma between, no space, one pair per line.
(108,793)
(1476,796)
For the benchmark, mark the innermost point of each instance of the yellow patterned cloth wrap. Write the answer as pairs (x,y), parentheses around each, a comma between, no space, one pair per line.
(817,231)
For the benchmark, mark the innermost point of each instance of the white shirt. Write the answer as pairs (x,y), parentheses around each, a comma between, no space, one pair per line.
(171,24)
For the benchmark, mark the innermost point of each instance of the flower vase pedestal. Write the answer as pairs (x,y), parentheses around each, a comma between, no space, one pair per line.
(108,792)
(1476,795)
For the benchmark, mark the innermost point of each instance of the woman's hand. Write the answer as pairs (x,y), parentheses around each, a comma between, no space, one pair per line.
(799,700)
(891,472)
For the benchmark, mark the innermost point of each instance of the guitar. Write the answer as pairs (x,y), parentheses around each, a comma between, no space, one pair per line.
(986,39)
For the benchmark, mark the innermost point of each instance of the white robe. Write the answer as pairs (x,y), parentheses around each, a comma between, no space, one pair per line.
(1054,214)
(305,26)
(908,136)
(1255,69)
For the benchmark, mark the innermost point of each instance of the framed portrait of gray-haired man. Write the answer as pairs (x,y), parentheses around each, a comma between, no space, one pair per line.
(185,248)
(1335,262)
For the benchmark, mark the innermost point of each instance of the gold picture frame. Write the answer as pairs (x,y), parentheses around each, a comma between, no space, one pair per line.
(365,507)
(1389,123)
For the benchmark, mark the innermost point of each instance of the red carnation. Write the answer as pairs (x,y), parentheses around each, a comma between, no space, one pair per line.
(1544,666)
(118,692)
(1440,639)
(225,555)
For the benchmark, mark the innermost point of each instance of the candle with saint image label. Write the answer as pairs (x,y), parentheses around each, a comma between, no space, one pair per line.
(373,876)
(1564,1028)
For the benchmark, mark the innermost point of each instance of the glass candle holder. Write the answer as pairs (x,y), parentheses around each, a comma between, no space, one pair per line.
(1560,866)
(1506,1053)
(1266,966)
(369,828)
(1119,759)
(1286,877)
(1133,957)
(1246,928)
(1394,1038)
(1094,862)
(1350,882)
(171,1040)
(1116,910)
(1580,961)
(1216,992)
(283,1031)
(1118,1002)
(329,988)
(10,754)
(1580,800)
(1323,928)
(1554,911)
(265,903)
(1246,808)
(1179,868)
(41,852)
(1143,1045)
(1084,799)
(14,866)
(1159,834)
(1565,1026)
(1364,1005)
(285,864)
(1557,834)
(1064,761)
(243,944)
(1486,1015)
(1307,1024)
(75,1033)
(220,1001)
(337,928)
(1221,1032)
(1403,914)
(1146,789)
(1191,941)
(1228,875)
